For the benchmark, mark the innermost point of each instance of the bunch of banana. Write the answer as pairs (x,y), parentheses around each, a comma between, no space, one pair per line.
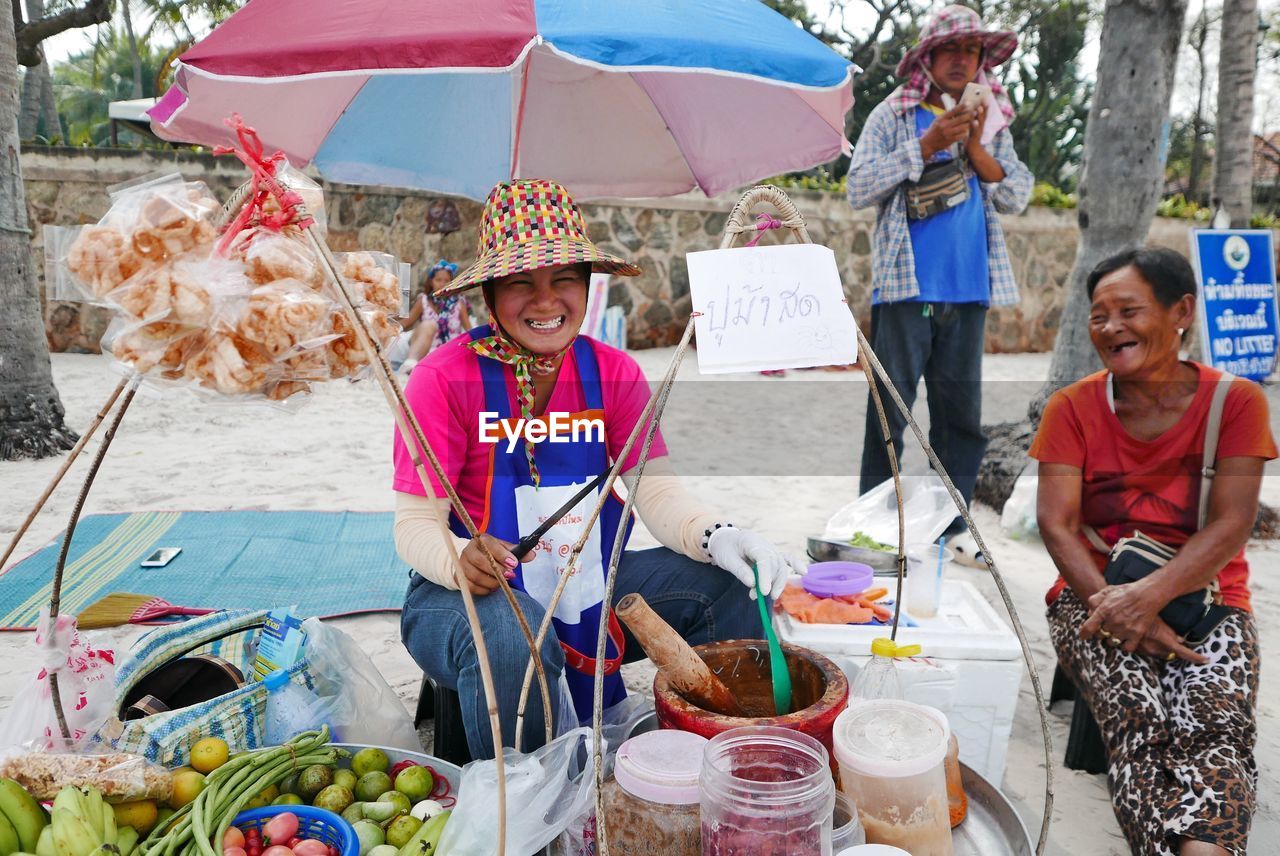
(21,819)
(84,825)
(426,839)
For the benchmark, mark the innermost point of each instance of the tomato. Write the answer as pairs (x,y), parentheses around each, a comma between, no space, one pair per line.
(280,828)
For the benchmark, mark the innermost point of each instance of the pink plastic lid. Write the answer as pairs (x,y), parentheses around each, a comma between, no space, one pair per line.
(836,579)
(661,766)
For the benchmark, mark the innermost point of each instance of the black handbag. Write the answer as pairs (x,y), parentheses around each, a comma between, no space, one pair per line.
(942,186)
(1194,615)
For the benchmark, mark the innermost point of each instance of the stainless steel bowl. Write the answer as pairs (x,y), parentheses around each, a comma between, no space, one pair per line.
(826,550)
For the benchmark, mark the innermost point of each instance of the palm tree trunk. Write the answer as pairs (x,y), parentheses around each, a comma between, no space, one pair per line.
(1237,62)
(1199,35)
(1119,187)
(31,414)
(133,48)
(49,106)
(29,117)
(29,111)
(1123,170)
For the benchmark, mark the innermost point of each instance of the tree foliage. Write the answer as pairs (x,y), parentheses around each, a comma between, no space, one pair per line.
(88,81)
(1047,87)
(1044,80)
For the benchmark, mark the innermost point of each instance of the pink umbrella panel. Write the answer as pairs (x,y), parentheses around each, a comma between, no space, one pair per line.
(755,96)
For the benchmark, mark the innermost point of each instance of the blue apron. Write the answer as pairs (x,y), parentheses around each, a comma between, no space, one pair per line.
(514,507)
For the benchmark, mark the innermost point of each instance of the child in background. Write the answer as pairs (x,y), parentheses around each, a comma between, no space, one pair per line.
(437,319)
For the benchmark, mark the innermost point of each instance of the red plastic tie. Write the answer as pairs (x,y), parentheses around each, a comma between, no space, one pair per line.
(764,222)
(262,175)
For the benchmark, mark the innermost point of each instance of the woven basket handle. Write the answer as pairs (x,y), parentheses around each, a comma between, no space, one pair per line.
(170,643)
(740,217)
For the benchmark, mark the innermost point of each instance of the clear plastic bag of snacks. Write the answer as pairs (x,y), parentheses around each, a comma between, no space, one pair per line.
(347,356)
(376,277)
(60,283)
(153,350)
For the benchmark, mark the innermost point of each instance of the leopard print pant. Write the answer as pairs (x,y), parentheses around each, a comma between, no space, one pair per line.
(1179,736)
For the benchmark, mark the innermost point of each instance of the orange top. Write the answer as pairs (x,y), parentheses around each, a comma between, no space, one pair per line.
(1151,485)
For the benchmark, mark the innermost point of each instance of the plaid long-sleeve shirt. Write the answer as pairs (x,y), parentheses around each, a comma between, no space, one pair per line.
(887,155)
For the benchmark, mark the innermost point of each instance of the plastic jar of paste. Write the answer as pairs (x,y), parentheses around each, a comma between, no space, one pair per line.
(891,756)
(651,802)
(766,790)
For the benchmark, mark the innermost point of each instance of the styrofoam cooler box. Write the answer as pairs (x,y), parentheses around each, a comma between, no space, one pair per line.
(970,667)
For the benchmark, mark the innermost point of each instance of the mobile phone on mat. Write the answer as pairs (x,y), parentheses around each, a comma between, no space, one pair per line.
(160,557)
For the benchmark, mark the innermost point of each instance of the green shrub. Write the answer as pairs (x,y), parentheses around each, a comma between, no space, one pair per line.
(1048,196)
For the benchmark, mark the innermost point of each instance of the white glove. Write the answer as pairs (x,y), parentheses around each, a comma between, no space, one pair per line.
(735,550)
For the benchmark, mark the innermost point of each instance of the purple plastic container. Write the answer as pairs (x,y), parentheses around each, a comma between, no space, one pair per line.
(836,579)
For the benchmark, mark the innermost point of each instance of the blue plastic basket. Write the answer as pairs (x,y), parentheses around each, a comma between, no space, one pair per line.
(313,822)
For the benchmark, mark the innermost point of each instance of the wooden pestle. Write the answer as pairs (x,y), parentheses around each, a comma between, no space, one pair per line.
(673,656)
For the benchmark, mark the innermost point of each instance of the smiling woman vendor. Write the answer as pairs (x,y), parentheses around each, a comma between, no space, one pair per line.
(529,367)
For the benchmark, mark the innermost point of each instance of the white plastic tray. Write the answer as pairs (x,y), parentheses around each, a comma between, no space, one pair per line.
(965,628)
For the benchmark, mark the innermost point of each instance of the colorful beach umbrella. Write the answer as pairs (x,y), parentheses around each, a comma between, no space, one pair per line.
(610,98)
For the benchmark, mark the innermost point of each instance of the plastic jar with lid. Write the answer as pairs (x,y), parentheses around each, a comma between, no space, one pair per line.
(651,802)
(891,756)
(766,790)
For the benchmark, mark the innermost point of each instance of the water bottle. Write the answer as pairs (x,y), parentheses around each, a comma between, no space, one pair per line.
(879,678)
(291,708)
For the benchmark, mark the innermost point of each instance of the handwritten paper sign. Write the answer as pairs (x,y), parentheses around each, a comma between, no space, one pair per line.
(775,307)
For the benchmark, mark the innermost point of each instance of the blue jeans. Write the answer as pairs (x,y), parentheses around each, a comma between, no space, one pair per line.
(702,603)
(945,347)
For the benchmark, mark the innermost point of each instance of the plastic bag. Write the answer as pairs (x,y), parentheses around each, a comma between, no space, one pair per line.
(59,282)
(118,776)
(364,709)
(375,277)
(927,509)
(1018,519)
(579,836)
(545,791)
(86,681)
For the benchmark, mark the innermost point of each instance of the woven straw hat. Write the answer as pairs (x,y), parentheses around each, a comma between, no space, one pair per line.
(958,22)
(530,224)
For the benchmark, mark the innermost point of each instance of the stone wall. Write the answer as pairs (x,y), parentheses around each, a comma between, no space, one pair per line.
(68,186)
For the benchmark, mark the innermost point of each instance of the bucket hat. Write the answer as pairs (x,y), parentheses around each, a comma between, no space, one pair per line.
(958,22)
(530,224)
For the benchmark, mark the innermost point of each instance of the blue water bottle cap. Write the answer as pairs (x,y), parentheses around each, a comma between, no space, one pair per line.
(276,679)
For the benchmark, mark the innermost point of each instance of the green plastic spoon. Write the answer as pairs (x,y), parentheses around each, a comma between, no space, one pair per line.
(777,662)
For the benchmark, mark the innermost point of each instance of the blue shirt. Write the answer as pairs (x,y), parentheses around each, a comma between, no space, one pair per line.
(950,248)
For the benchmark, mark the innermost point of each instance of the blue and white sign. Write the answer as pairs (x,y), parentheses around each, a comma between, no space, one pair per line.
(1237,276)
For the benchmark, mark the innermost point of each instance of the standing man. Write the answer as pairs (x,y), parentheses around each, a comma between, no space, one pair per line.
(938,170)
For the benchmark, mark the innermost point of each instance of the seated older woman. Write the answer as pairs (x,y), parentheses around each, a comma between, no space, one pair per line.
(1120,452)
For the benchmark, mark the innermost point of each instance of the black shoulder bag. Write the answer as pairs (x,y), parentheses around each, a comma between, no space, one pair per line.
(1192,616)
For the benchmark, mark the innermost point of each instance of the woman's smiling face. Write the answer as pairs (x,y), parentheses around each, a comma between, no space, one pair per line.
(1131,329)
(543,309)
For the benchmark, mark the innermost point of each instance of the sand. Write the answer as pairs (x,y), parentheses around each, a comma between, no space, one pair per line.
(775,454)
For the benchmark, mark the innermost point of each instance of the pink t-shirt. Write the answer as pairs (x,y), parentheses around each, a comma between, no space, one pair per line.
(446,393)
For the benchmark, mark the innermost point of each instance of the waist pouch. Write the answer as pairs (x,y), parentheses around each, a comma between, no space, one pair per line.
(942,186)
(1192,616)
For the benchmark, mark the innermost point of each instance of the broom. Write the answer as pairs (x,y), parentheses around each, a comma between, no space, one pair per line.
(124,608)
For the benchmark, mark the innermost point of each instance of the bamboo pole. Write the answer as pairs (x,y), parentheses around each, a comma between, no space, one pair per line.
(897,485)
(597,712)
(605,491)
(411,430)
(407,425)
(737,225)
(1041,707)
(66,465)
(55,600)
